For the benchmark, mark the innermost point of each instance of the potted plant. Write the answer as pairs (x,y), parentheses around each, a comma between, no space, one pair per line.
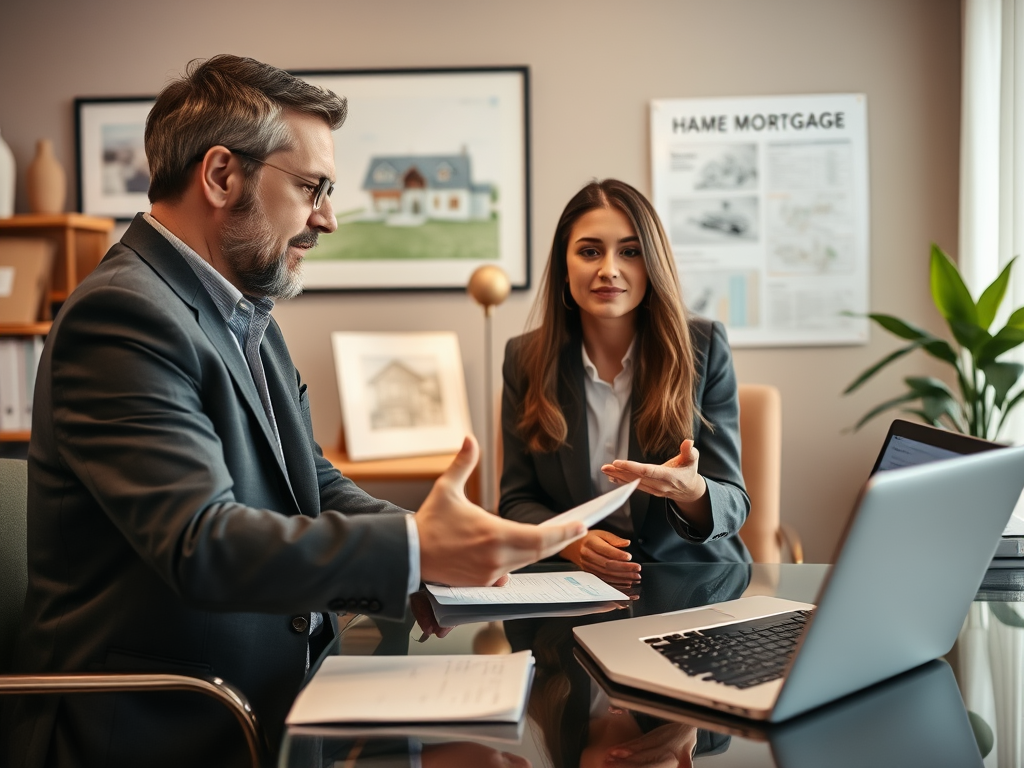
(982,400)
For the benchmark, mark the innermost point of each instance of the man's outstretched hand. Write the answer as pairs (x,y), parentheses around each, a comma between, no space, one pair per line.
(462,545)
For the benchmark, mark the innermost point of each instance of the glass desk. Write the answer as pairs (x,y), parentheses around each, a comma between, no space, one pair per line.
(575,717)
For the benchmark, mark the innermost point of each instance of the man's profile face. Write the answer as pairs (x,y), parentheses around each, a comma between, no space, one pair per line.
(274,225)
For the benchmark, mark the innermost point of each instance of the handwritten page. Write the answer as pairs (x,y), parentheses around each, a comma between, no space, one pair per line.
(532,588)
(415,689)
(597,509)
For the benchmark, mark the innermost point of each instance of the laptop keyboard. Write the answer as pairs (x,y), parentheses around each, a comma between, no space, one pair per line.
(742,655)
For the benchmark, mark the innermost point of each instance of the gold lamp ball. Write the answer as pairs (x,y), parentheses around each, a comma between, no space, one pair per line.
(489,286)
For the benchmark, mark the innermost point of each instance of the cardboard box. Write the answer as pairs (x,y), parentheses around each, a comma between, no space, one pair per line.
(25,271)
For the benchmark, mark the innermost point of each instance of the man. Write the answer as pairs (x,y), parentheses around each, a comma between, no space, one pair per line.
(181,516)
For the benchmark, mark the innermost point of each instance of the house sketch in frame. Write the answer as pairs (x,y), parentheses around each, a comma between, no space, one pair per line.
(402,394)
(418,207)
(406,392)
(432,179)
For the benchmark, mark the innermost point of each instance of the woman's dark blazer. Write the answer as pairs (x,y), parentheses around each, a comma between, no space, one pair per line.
(537,486)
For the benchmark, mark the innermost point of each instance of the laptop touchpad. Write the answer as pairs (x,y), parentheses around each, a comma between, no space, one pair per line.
(702,618)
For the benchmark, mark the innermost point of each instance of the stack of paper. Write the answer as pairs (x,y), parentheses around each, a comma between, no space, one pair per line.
(562,593)
(416,689)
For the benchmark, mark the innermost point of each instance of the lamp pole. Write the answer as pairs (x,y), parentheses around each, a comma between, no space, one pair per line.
(489,286)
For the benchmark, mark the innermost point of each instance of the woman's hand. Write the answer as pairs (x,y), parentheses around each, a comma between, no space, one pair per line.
(602,553)
(677,479)
(668,746)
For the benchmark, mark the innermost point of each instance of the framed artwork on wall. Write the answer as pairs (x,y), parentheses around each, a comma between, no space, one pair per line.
(402,394)
(113,175)
(432,179)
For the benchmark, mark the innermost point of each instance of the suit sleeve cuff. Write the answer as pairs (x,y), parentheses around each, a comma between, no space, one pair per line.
(414,553)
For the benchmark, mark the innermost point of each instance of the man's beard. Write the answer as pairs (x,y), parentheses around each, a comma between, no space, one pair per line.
(253,251)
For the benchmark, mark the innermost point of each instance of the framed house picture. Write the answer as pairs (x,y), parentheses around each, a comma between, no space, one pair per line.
(402,394)
(432,179)
(113,175)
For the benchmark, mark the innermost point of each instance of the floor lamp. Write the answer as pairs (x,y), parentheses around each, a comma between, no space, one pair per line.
(489,286)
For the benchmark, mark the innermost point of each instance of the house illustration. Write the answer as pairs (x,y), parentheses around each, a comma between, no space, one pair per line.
(410,189)
(404,398)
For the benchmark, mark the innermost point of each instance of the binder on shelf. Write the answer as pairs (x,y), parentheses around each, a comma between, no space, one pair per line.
(11,405)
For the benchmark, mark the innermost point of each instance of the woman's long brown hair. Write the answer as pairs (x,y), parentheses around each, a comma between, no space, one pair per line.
(663,384)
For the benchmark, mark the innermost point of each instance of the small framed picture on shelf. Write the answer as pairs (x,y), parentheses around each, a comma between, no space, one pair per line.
(402,394)
(432,182)
(113,174)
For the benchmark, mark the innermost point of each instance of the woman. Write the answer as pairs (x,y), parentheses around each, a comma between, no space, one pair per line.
(617,383)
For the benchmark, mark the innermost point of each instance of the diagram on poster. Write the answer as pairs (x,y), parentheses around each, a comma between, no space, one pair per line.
(765,201)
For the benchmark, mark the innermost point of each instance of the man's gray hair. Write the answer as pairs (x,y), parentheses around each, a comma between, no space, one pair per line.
(232,101)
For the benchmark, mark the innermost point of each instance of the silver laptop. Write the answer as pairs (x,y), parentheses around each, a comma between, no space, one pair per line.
(909,564)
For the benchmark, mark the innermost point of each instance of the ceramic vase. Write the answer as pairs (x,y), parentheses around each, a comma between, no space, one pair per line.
(47,184)
(8,175)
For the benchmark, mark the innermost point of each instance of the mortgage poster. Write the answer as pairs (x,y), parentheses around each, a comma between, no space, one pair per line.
(765,202)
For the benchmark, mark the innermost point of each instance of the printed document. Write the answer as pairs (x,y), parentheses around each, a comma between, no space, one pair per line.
(415,689)
(532,589)
(597,509)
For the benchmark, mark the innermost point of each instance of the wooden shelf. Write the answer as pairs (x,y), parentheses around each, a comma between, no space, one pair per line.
(405,469)
(26,329)
(58,220)
(20,436)
(80,242)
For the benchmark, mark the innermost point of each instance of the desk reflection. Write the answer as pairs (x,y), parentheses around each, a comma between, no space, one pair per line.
(576,718)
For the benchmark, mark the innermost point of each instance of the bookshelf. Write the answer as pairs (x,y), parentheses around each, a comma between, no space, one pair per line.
(80,242)
(406,469)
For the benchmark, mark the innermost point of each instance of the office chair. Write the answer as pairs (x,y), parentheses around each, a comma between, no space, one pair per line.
(13,585)
(761,439)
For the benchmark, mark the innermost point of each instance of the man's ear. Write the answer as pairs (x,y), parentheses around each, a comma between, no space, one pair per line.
(221,177)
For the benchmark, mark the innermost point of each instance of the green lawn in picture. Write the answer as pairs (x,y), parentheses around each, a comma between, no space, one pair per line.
(375,240)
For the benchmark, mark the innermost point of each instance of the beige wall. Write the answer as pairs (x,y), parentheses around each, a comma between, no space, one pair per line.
(594,67)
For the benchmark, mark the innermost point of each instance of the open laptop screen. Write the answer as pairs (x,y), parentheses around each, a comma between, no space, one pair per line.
(909,444)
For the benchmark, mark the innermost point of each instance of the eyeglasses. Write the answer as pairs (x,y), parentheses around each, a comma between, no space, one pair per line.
(321,189)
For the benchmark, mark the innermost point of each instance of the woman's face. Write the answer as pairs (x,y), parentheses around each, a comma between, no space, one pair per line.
(606,272)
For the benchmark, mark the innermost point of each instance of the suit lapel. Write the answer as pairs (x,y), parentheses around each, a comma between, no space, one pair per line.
(283,387)
(574,455)
(639,501)
(153,248)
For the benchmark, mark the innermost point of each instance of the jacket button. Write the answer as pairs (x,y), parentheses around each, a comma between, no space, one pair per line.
(300,623)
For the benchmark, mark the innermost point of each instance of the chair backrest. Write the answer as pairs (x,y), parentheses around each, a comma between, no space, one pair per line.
(761,439)
(13,554)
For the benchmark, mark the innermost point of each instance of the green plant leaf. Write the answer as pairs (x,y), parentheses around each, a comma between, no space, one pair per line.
(992,297)
(879,366)
(928,386)
(969,335)
(887,405)
(948,290)
(1006,615)
(983,735)
(1002,377)
(1016,318)
(899,327)
(1006,339)
(1014,401)
(937,406)
(940,349)
(923,417)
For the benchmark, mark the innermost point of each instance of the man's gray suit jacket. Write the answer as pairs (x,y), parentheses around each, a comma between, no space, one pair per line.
(165,534)
(536,486)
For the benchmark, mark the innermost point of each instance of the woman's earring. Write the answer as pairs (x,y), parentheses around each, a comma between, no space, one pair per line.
(567,300)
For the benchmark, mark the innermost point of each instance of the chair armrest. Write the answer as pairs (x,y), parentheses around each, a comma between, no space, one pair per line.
(790,539)
(214,687)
